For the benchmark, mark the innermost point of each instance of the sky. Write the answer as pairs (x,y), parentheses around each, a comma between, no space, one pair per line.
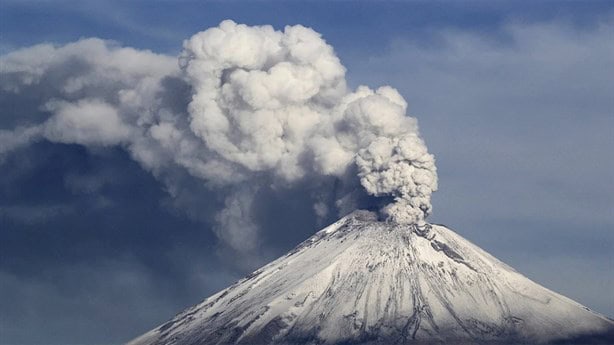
(513,99)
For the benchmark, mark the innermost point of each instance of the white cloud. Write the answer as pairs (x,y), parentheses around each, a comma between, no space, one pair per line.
(86,122)
(262,105)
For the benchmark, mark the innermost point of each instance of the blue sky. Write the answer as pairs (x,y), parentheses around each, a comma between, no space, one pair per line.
(513,99)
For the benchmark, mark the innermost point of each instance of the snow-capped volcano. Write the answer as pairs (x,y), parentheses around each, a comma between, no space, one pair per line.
(361,281)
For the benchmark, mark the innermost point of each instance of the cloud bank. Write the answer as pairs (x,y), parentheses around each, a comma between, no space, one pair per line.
(242,109)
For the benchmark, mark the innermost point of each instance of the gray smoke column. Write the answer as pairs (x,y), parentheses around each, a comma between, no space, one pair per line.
(277,102)
(247,110)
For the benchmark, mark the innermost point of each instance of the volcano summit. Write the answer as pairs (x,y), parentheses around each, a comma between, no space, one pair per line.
(363,281)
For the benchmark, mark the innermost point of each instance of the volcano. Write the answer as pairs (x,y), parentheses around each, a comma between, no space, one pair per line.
(364,281)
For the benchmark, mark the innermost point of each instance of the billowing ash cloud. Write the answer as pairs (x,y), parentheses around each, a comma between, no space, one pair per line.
(246,108)
(399,166)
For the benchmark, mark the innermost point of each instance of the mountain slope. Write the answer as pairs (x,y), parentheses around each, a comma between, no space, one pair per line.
(369,282)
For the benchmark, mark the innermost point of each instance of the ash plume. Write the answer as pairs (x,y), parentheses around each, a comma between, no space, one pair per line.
(245,108)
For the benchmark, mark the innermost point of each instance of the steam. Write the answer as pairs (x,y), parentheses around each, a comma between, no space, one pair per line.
(247,108)
(399,167)
(278,102)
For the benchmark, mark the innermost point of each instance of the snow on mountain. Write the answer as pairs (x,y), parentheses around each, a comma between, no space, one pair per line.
(361,281)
